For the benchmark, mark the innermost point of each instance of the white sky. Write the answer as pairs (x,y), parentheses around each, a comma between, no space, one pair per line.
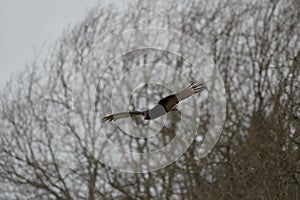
(26,25)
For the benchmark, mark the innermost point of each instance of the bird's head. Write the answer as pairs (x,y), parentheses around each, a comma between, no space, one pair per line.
(146,115)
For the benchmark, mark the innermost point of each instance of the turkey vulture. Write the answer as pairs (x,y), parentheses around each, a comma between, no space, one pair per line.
(165,105)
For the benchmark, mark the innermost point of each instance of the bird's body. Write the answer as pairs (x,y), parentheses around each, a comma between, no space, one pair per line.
(165,105)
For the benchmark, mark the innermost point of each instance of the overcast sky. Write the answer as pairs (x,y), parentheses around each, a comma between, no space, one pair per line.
(25,26)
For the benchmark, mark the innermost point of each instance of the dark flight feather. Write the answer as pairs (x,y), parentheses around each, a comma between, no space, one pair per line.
(116,116)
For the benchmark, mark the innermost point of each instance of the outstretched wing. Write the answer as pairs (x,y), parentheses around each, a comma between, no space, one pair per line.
(121,115)
(170,101)
(190,90)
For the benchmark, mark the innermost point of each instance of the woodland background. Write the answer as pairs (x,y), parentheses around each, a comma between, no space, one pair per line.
(256,47)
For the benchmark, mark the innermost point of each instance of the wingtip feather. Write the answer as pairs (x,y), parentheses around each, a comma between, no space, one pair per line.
(108,118)
(197,87)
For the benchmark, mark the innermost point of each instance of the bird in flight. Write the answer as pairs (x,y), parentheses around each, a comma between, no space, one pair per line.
(165,105)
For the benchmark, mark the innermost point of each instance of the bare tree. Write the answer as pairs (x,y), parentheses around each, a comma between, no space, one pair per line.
(255,45)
